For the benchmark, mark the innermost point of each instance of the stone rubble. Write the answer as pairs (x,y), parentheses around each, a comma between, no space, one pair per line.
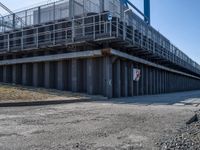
(187,138)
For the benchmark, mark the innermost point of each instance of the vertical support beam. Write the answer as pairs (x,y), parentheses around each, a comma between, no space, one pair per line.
(90,76)
(137,83)
(14,21)
(14,74)
(117,87)
(4,74)
(71,9)
(154,81)
(39,15)
(147,11)
(108,88)
(124,81)
(1,73)
(147,80)
(130,88)
(35,75)
(24,74)
(160,81)
(60,75)
(47,74)
(150,85)
(102,7)
(74,75)
(142,80)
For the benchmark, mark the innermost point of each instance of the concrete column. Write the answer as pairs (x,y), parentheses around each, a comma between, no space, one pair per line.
(47,74)
(90,76)
(60,75)
(108,85)
(74,75)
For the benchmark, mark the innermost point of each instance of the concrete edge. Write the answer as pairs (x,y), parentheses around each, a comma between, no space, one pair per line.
(43,102)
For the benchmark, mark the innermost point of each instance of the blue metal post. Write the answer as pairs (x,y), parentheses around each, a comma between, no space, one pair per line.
(147,11)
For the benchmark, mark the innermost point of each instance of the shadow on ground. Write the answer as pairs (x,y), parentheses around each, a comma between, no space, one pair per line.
(181,98)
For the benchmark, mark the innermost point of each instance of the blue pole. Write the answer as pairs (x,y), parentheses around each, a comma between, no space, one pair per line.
(147,11)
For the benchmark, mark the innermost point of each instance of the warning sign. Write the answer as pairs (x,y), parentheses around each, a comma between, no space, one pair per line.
(136,74)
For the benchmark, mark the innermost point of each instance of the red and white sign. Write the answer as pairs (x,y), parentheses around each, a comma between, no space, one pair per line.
(136,74)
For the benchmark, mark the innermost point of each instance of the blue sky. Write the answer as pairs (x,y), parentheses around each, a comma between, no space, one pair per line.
(178,20)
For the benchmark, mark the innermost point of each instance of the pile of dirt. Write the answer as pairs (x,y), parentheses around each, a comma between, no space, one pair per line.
(9,93)
(187,138)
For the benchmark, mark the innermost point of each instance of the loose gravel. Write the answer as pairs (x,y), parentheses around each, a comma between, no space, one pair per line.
(187,138)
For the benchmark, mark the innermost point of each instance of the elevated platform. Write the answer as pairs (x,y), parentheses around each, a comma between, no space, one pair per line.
(92,51)
(97,31)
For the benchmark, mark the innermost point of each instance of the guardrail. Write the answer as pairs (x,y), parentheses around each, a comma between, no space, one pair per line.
(95,28)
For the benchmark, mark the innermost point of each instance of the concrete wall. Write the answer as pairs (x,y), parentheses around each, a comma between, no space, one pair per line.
(110,76)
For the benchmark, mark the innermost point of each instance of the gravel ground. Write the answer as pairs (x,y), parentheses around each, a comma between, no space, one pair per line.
(187,138)
(90,126)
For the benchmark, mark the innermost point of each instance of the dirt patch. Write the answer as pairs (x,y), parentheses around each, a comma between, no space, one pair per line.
(12,93)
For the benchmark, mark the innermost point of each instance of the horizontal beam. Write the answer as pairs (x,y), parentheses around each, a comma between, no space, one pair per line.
(148,63)
(55,57)
(89,54)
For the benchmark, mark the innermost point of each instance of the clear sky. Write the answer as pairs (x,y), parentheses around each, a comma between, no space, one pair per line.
(178,20)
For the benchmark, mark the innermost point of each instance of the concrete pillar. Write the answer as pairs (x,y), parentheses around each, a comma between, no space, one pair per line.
(60,75)
(47,74)
(74,75)
(108,85)
(90,76)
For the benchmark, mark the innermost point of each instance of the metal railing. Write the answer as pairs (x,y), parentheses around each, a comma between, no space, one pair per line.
(96,27)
